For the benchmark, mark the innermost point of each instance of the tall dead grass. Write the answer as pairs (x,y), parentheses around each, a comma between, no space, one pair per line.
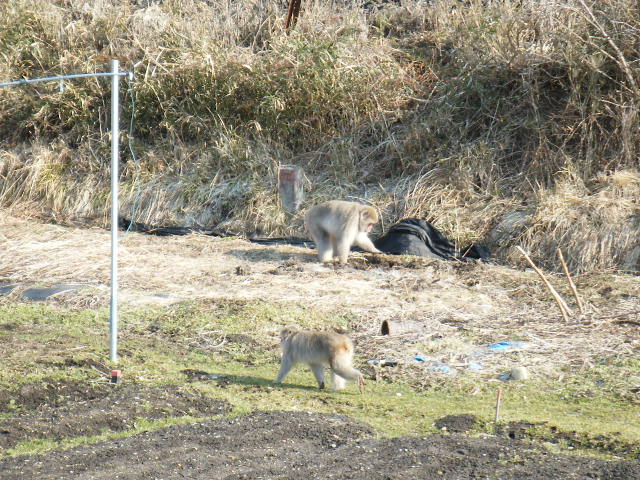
(459,112)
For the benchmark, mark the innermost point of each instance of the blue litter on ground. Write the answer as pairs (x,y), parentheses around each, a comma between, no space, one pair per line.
(505,345)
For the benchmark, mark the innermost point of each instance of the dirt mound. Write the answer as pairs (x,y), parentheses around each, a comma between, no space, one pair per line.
(49,392)
(296,445)
(66,412)
(457,423)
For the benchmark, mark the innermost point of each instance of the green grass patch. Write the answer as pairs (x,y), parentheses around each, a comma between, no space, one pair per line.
(162,345)
(33,447)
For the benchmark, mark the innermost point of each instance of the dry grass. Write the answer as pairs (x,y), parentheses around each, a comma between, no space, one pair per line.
(595,225)
(460,308)
(459,112)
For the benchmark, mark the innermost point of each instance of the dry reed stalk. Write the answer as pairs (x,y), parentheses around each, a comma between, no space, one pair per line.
(571,284)
(620,57)
(564,308)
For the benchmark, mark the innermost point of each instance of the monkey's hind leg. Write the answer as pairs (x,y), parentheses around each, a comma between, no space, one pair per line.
(334,245)
(338,382)
(323,244)
(343,247)
(343,371)
(318,371)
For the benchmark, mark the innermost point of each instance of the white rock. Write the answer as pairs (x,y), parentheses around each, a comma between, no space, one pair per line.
(519,373)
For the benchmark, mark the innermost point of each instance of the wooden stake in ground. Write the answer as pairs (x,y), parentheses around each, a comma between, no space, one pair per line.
(293,12)
(571,284)
(564,308)
(498,398)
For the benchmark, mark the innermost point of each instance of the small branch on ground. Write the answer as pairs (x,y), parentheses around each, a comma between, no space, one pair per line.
(564,308)
(628,322)
(571,284)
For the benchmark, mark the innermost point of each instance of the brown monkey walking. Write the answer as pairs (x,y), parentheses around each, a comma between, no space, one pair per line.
(337,225)
(319,349)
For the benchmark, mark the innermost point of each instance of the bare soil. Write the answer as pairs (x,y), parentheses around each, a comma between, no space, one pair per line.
(446,299)
(64,410)
(298,445)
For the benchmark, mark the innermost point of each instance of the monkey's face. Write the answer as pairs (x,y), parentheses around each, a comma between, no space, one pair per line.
(285,333)
(368,218)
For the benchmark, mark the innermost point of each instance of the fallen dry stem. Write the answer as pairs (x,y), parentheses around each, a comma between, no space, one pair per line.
(571,284)
(564,308)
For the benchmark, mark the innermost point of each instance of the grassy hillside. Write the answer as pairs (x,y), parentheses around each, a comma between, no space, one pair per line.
(462,112)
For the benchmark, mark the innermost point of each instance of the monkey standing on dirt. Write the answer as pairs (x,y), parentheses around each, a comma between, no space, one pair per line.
(319,349)
(337,225)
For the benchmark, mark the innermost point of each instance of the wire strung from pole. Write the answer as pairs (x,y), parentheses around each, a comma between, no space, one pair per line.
(134,207)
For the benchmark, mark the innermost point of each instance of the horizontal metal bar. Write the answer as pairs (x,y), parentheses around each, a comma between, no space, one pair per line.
(26,81)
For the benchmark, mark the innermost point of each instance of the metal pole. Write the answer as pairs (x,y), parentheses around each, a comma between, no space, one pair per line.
(115,154)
